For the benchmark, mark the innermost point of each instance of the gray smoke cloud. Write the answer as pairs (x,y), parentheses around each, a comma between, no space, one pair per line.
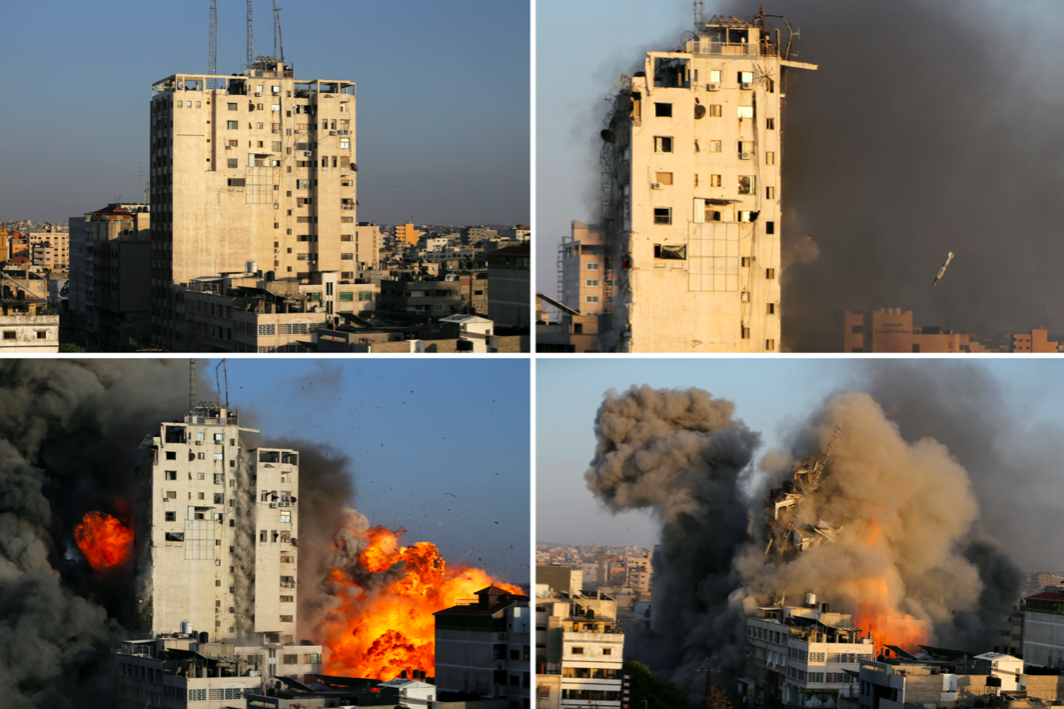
(925,130)
(908,508)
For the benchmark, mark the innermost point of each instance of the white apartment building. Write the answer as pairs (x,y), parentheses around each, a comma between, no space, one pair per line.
(223,551)
(692,194)
(799,656)
(261,168)
(579,651)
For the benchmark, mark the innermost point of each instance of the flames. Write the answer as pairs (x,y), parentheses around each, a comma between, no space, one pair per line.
(877,600)
(103,539)
(382,623)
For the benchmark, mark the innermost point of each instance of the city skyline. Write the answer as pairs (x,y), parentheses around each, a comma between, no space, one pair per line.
(421,151)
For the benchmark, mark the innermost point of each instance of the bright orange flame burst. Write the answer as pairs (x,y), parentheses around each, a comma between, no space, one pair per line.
(875,606)
(103,540)
(381,632)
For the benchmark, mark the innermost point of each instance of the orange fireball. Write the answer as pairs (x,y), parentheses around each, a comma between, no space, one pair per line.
(383,623)
(103,539)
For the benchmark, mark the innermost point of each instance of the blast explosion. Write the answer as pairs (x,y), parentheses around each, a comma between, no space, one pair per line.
(378,599)
(104,540)
(875,524)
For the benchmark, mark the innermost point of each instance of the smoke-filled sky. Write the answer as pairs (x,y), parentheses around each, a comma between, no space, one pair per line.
(443,97)
(1000,420)
(928,128)
(438,447)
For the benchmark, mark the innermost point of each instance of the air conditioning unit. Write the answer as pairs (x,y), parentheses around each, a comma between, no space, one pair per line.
(502,636)
(306,153)
(199,443)
(258,93)
(229,147)
(332,132)
(745,156)
(713,86)
(655,185)
(273,505)
(746,85)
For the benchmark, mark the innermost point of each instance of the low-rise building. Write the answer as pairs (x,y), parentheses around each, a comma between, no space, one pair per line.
(28,322)
(579,650)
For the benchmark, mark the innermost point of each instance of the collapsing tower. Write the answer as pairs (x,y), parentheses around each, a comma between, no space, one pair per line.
(691,193)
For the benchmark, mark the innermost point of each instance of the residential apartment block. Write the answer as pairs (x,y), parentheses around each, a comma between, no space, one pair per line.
(691,200)
(258,167)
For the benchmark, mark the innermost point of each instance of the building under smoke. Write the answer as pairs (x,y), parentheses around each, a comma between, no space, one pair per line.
(691,195)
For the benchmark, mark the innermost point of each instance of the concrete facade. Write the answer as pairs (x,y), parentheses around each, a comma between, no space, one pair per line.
(261,169)
(485,647)
(1043,629)
(28,324)
(692,195)
(221,516)
(579,640)
(509,284)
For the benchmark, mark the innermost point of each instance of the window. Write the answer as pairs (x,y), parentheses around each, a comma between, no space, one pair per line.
(290,659)
(607,651)
(746,149)
(236,181)
(663,110)
(770,309)
(591,299)
(578,651)
(662,215)
(770,158)
(347,297)
(347,257)
(232,106)
(746,261)
(716,110)
(770,123)
(591,266)
(747,184)
(746,216)
(770,273)
(664,178)
(770,227)
(171,455)
(286,619)
(746,112)
(232,162)
(171,516)
(232,125)
(662,144)
(770,193)
(591,283)
(745,79)
(42,334)
(745,333)
(345,144)
(288,599)
(714,180)
(770,345)
(365,296)
(677,252)
(714,146)
(286,516)
(9,334)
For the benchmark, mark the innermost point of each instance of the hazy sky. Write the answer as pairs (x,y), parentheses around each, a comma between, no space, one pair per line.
(1014,407)
(438,447)
(928,128)
(443,97)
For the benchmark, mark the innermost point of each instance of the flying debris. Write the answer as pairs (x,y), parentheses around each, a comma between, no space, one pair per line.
(942,271)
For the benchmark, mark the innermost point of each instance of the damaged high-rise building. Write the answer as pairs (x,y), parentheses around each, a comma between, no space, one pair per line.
(222,523)
(691,194)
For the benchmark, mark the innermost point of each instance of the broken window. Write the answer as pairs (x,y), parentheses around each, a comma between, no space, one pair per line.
(236,181)
(175,536)
(670,73)
(663,215)
(171,516)
(171,475)
(745,216)
(664,178)
(747,184)
(677,252)
(662,144)
(663,110)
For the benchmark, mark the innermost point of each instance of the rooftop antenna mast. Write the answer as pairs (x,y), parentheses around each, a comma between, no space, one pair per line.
(698,10)
(278,41)
(225,371)
(212,68)
(250,3)
(191,385)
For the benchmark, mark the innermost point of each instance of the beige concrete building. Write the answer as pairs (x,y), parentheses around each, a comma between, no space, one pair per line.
(367,241)
(28,323)
(692,194)
(892,330)
(261,169)
(50,249)
(583,279)
(223,552)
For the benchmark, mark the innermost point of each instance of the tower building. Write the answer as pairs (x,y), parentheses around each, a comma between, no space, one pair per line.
(222,524)
(251,172)
(691,199)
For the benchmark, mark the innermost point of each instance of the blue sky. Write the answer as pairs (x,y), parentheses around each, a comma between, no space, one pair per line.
(443,97)
(414,430)
(771,396)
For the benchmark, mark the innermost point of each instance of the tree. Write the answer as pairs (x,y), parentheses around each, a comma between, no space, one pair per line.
(70,348)
(715,699)
(651,691)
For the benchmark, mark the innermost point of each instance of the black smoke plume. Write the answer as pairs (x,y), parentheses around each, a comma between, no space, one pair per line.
(908,507)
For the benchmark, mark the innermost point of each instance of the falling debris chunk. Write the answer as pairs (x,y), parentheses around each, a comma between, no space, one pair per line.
(942,271)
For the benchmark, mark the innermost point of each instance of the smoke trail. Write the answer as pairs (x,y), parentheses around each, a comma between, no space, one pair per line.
(682,455)
(69,432)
